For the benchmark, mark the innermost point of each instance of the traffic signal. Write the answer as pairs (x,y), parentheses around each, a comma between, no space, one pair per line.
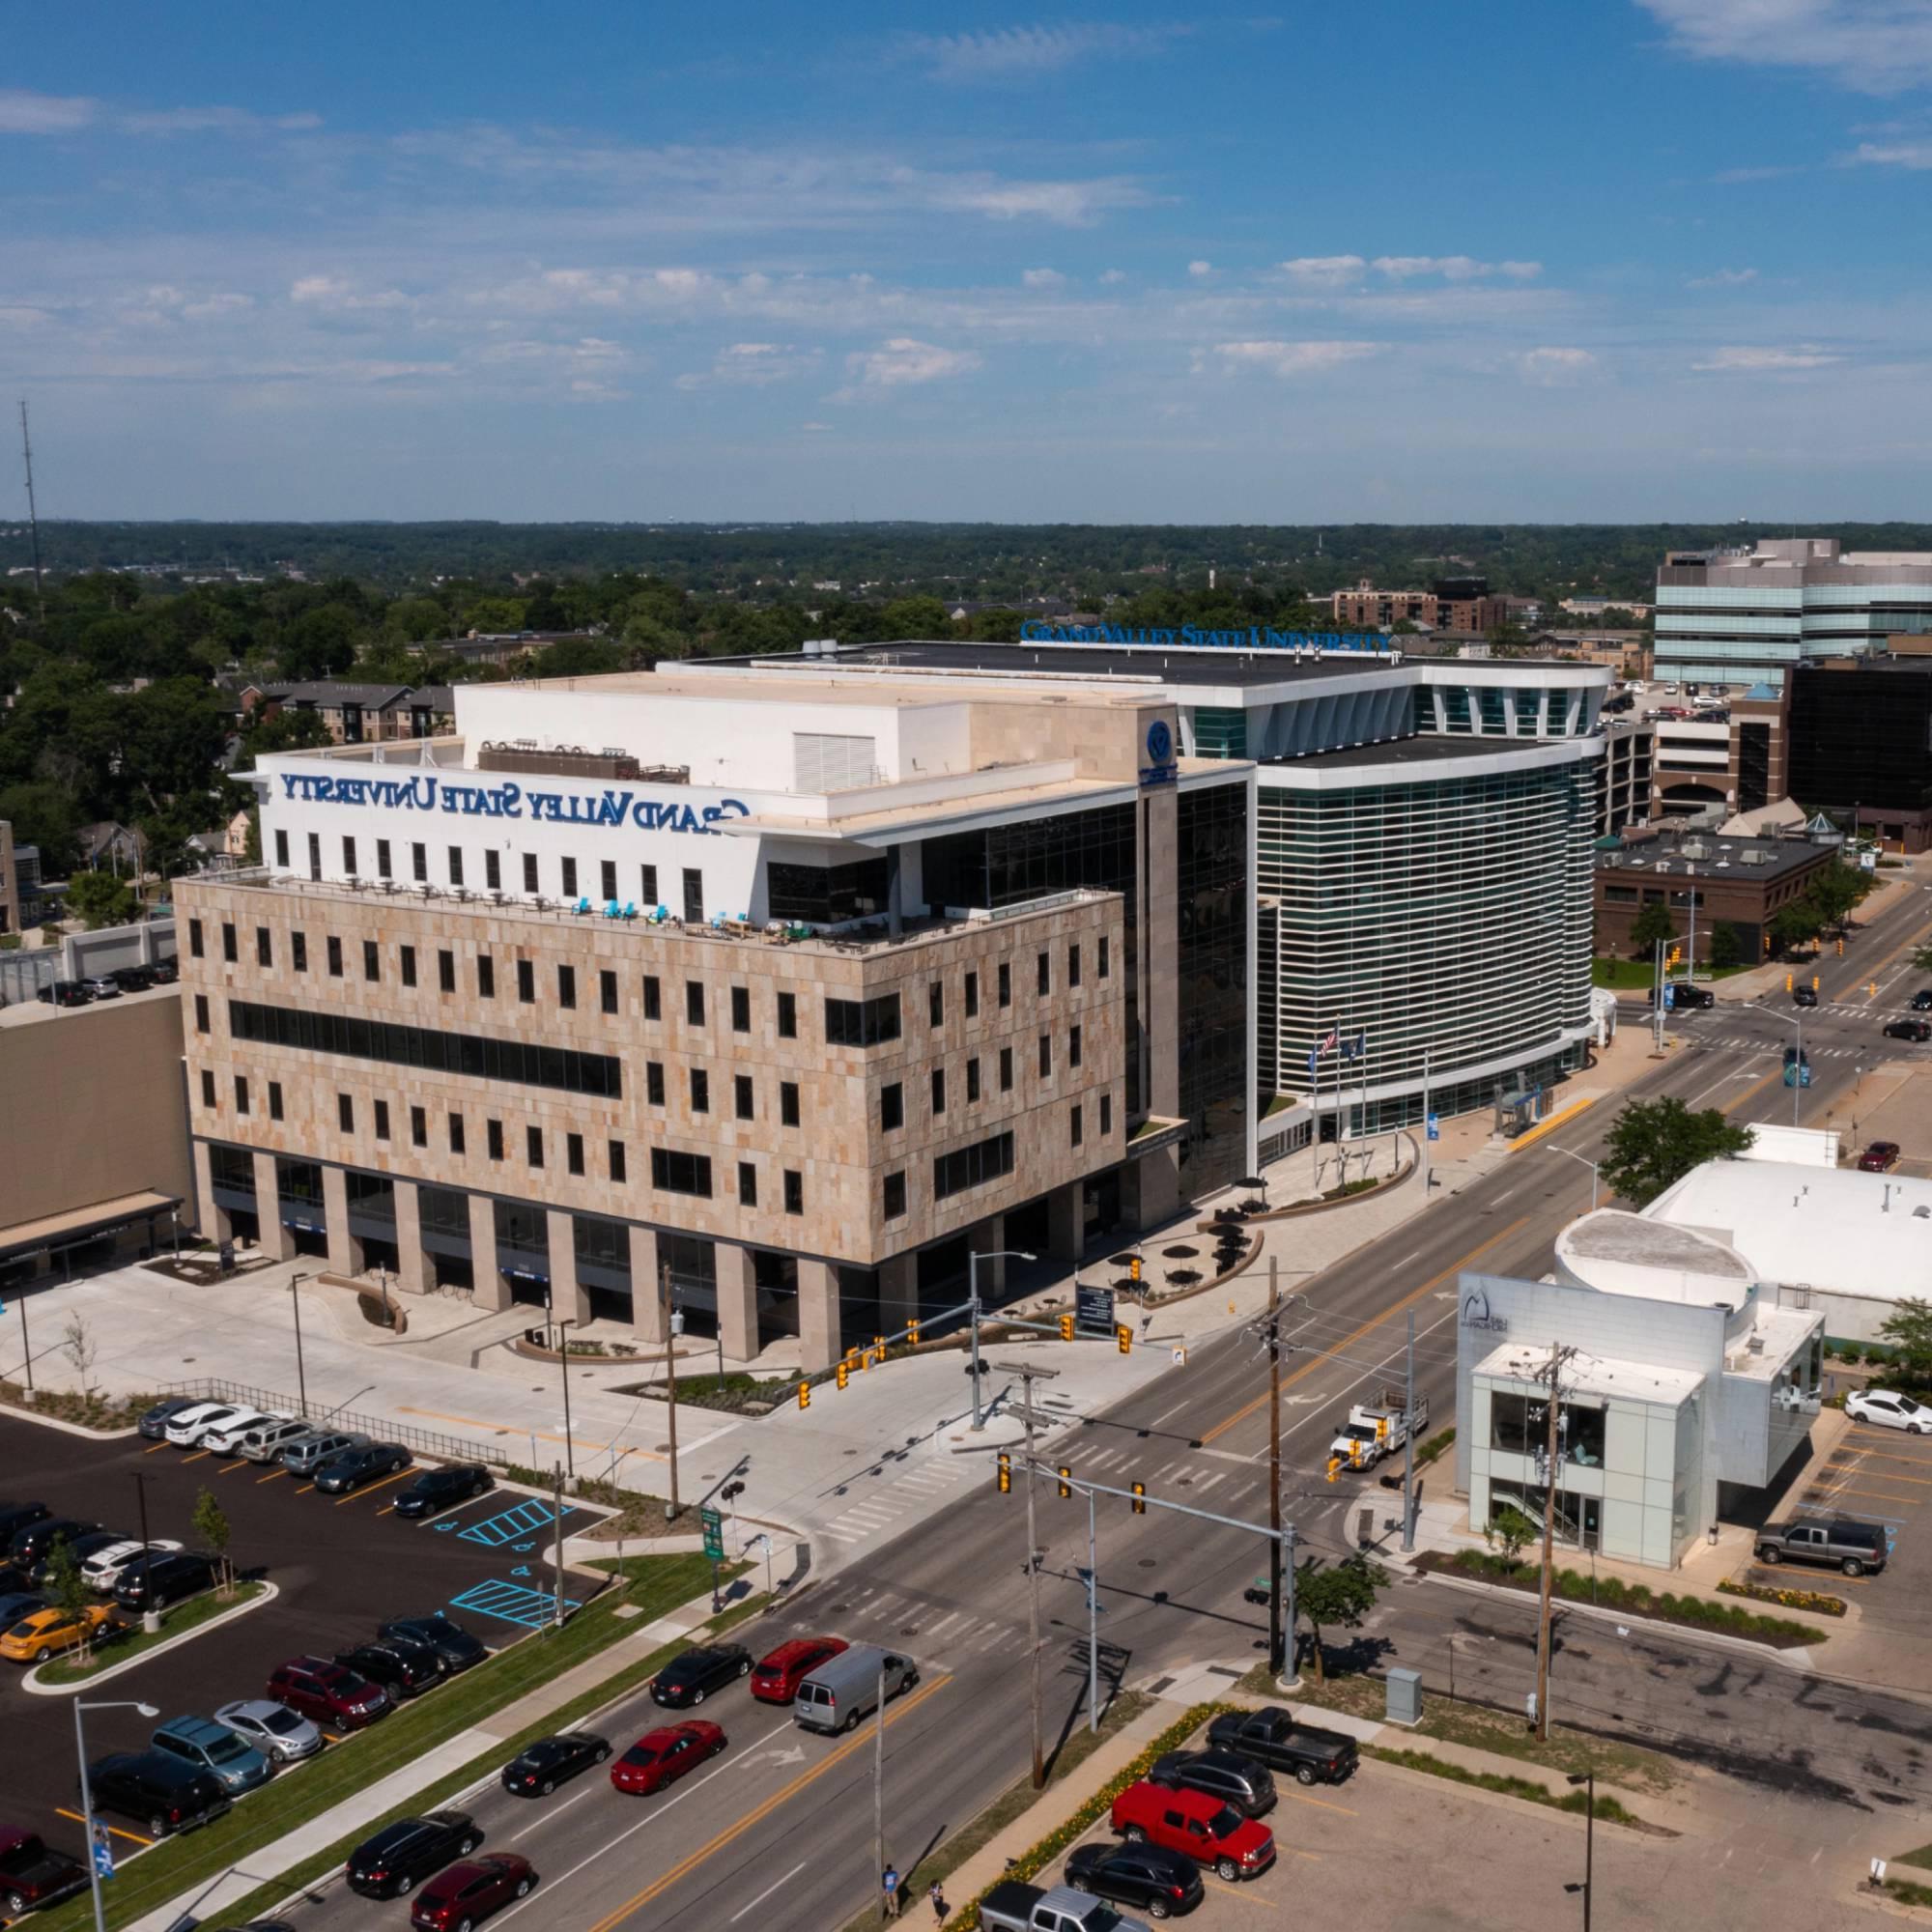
(1841,949)
(1381,1428)
(844,1373)
(879,1347)
(804,1394)
(1124,1337)
(912,1333)
(1354,1454)
(1140,1499)
(1066,1487)
(1767,944)
(1814,982)
(1787,982)
(1005,1475)
(1134,1269)
(1334,1463)
(1066,1328)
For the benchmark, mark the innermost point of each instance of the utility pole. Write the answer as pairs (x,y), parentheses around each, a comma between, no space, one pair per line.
(1275,1651)
(1543,1628)
(1425,1126)
(1657,994)
(1408,1449)
(33,515)
(557,1543)
(1028,1376)
(671,1383)
(1093,1621)
(879,1793)
(296,1281)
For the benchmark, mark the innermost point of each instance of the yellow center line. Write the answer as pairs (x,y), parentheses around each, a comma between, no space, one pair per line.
(113,1831)
(1348,1341)
(863,1742)
(356,1496)
(1757,1086)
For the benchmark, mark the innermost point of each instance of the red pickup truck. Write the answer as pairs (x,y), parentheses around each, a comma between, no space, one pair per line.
(1207,1830)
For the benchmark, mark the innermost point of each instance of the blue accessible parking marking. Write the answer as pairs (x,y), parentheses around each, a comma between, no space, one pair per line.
(518,1520)
(511,1603)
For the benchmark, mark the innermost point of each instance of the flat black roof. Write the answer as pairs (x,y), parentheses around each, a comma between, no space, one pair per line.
(1420,750)
(1777,855)
(1222,665)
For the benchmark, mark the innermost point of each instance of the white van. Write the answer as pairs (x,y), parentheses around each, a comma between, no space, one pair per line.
(844,1689)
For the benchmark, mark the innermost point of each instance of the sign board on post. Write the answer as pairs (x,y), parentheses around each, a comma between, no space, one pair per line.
(1435,1126)
(1092,1310)
(713,1524)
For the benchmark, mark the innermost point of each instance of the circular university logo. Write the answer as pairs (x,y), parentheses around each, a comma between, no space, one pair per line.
(1159,742)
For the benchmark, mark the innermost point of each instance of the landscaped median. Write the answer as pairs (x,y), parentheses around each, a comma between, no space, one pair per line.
(304,1792)
(184,1621)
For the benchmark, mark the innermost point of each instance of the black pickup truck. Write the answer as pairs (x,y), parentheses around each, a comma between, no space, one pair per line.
(1270,1736)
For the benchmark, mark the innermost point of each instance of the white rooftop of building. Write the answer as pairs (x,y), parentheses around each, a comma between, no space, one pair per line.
(1592,1374)
(1620,1253)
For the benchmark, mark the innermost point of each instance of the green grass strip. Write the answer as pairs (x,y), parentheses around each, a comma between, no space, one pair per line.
(1527,1788)
(177,1622)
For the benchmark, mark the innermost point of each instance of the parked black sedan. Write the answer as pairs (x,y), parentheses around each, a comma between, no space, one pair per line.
(1240,1782)
(405,1853)
(349,1470)
(451,1642)
(538,1770)
(1147,1877)
(401,1670)
(688,1679)
(438,1489)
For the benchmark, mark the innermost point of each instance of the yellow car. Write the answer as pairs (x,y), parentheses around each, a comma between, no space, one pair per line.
(48,1632)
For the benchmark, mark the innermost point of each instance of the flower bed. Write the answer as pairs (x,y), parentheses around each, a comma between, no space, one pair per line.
(1814,1601)
(94,1411)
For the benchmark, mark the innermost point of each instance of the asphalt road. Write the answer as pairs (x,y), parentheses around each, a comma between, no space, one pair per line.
(340,1566)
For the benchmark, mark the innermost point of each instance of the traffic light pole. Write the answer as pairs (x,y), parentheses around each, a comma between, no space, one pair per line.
(1092,1620)
(1275,1651)
(1408,1445)
(670,1383)
(1033,1588)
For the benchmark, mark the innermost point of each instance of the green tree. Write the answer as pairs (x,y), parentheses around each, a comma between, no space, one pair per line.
(1909,1330)
(212,1530)
(99,898)
(1726,949)
(1654,1144)
(288,730)
(1340,1596)
(1511,1531)
(1922,959)
(67,1588)
(1794,925)
(1654,923)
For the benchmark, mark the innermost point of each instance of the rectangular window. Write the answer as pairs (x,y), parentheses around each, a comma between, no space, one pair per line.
(349,857)
(742,1095)
(419,862)
(653,998)
(1006,1070)
(870,1023)
(787,1015)
(607,878)
(194,941)
(529,871)
(1005,984)
(345,1113)
(694,1002)
(681,1173)
(894,1202)
(607,989)
(1044,976)
(694,895)
(654,1082)
(794,1191)
(228,951)
(314,855)
(445,969)
(972,1166)
(972,996)
(748,1184)
(566,987)
(282,850)
(526,981)
(789,1115)
(1105,961)
(406,956)
(381,1120)
(1045,1054)
(456,1145)
(492,1134)
(383,868)
(201,1012)
(570,878)
(741,1009)
(938,1091)
(334,957)
(240,1092)
(1106,1115)
(1072,966)
(1076,1125)
(892,1108)
(420,1127)
(274,1099)
(647,888)
(533,1146)
(493,869)
(298,947)
(486,977)
(935,1003)
(613,1159)
(1073,1046)
(456,865)
(372,960)
(701,1091)
(207,1087)
(572,1152)
(264,947)
(972,1081)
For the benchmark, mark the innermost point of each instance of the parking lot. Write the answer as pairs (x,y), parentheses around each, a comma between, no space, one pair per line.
(340,1566)
(1879,1476)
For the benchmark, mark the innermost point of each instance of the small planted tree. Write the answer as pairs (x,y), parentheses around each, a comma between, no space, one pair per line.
(1651,926)
(1909,1329)
(211,1529)
(1510,1531)
(1341,1596)
(1653,1144)
(80,1348)
(68,1591)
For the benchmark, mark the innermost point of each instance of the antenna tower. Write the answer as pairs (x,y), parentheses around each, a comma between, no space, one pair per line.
(33,516)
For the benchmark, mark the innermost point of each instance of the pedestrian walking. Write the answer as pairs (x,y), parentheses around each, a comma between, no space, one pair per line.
(888,1883)
(939,1904)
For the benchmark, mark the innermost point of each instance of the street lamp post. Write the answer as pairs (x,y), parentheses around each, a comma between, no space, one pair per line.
(1587,1162)
(973,1261)
(672,1324)
(296,1281)
(86,1792)
(1796,1022)
(1588,1780)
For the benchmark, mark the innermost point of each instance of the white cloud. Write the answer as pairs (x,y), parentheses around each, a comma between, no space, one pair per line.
(1452,268)
(1916,156)
(1286,359)
(1042,278)
(1874,47)
(1198,270)
(337,294)
(905,363)
(1111,276)
(215,121)
(25,113)
(1732,176)
(1751,359)
(1068,203)
(1027,53)
(1555,368)
(1324,272)
(751,365)
(1724,278)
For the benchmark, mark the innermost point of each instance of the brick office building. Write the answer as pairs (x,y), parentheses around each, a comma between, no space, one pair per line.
(1735,882)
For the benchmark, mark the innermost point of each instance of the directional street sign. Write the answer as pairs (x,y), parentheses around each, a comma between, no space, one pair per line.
(714,1533)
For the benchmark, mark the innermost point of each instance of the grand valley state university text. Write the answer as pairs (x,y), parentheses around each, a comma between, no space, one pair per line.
(421,793)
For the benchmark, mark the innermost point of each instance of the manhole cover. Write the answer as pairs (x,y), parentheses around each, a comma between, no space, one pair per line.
(1184,1483)
(908,1630)
(839,1610)
(1146,1563)
(852,1452)
(664,1448)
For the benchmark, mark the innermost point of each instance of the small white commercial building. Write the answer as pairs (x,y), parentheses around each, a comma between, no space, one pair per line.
(1677,1380)
(1845,1246)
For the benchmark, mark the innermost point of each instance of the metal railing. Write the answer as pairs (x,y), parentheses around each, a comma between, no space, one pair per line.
(429,1442)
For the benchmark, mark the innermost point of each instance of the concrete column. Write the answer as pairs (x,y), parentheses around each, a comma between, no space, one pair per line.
(646,1307)
(492,1290)
(345,1252)
(412,1265)
(898,1292)
(737,1301)
(214,1221)
(1150,1190)
(278,1243)
(1064,1219)
(820,1335)
(989,1238)
(569,1300)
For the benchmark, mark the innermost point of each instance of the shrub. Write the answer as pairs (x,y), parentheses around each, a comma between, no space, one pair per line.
(1815,1601)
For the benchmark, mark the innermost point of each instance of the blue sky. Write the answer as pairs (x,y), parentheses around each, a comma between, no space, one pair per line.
(1399,260)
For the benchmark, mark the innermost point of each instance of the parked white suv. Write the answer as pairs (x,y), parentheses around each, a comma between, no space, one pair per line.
(185,1430)
(225,1437)
(1889,1410)
(101,1570)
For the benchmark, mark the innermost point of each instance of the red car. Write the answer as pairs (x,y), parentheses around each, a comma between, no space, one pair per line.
(777,1679)
(663,1756)
(328,1693)
(467,1893)
(1881,1157)
(1209,1831)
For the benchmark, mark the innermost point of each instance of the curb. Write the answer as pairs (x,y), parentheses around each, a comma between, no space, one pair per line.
(35,1688)
(79,1429)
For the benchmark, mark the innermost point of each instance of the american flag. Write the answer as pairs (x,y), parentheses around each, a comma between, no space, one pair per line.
(1331,1043)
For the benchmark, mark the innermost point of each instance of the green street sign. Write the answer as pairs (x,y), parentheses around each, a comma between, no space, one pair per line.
(714,1533)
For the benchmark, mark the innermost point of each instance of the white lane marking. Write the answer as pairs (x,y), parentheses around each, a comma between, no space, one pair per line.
(1179,1406)
(768,1890)
(1502,1197)
(1224,1455)
(554,1811)
(1406,1258)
